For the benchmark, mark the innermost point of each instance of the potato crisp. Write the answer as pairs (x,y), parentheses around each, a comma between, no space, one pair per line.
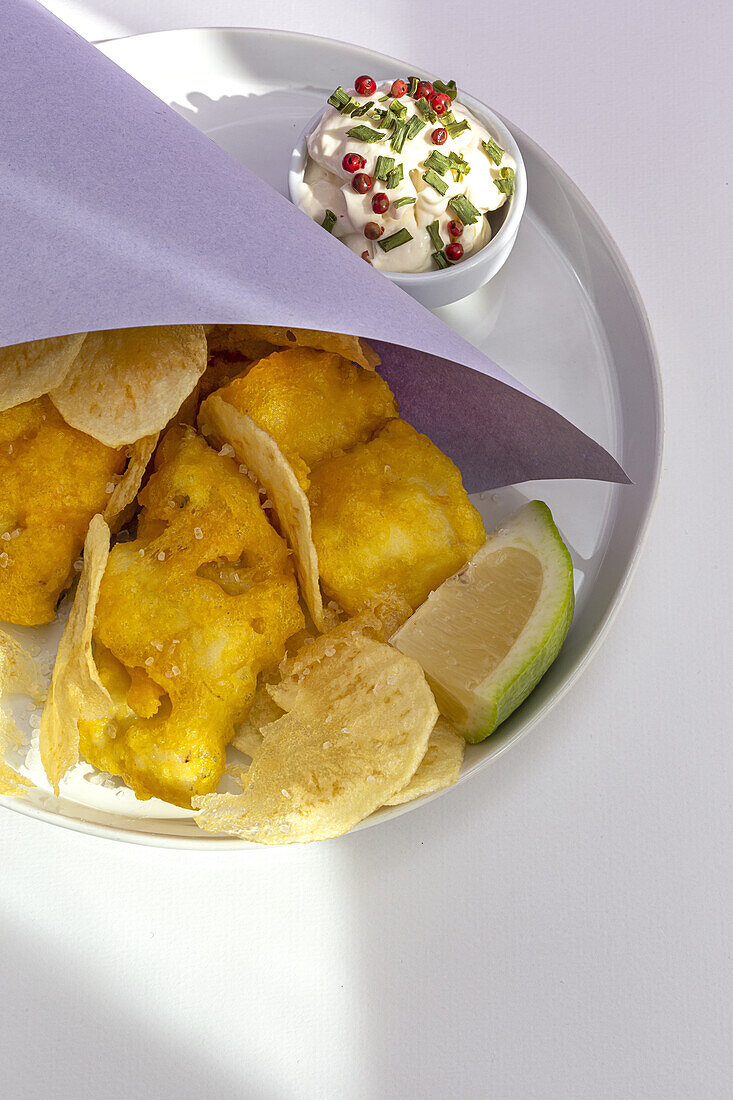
(128,383)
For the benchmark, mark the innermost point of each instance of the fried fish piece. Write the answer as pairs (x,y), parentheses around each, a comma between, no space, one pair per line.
(391,521)
(188,615)
(313,403)
(53,479)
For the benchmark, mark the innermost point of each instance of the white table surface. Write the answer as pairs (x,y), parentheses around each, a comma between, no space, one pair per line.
(559,926)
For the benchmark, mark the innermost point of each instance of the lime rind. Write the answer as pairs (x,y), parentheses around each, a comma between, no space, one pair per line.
(477,709)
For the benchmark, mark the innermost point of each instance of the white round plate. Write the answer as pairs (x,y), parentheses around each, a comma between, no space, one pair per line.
(563,316)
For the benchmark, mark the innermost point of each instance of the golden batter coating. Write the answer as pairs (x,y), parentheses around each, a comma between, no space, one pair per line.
(188,615)
(53,479)
(391,521)
(313,404)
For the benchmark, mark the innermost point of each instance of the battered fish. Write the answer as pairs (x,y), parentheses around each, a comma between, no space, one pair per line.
(53,479)
(188,615)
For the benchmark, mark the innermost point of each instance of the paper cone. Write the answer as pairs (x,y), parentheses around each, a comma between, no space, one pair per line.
(117,212)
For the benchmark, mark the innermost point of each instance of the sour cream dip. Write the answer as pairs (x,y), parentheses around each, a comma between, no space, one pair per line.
(405,180)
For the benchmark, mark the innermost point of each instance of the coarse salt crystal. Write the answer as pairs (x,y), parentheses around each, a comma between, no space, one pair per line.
(158,646)
(109,487)
(327,745)
(5,535)
(149,660)
(243,469)
(198,533)
(175,671)
(330,650)
(285,794)
(78,565)
(227,450)
(161,555)
(141,553)
(371,779)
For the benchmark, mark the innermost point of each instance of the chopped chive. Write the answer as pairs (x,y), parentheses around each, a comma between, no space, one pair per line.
(464,209)
(414,126)
(378,116)
(458,166)
(399,134)
(433,180)
(406,200)
(361,111)
(425,109)
(329,220)
(440,259)
(448,89)
(342,101)
(505,182)
(338,98)
(384,167)
(435,237)
(493,151)
(384,98)
(439,161)
(456,128)
(364,133)
(412,83)
(402,236)
(398,109)
(447,117)
(395,176)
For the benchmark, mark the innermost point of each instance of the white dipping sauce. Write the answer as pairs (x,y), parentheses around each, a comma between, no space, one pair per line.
(328,186)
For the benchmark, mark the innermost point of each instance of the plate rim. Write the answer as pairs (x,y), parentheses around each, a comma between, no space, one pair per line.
(218,843)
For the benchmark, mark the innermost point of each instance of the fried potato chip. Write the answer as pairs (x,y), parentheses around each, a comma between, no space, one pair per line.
(127,488)
(390,521)
(314,404)
(53,479)
(18,670)
(29,370)
(128,383)
(264,709)
(260,454)
(439,768)
(233,343)
(76,691)
(257,338)
(12,783)
(18,674)
(356,728)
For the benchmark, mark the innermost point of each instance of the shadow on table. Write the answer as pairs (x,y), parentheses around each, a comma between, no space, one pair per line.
(62,1037)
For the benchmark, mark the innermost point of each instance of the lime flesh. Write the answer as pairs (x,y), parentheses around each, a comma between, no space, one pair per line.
(487,636)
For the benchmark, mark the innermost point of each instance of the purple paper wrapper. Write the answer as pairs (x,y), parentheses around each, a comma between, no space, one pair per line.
(117,212)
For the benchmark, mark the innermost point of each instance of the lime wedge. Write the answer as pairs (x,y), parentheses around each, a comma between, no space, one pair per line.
(488,635)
